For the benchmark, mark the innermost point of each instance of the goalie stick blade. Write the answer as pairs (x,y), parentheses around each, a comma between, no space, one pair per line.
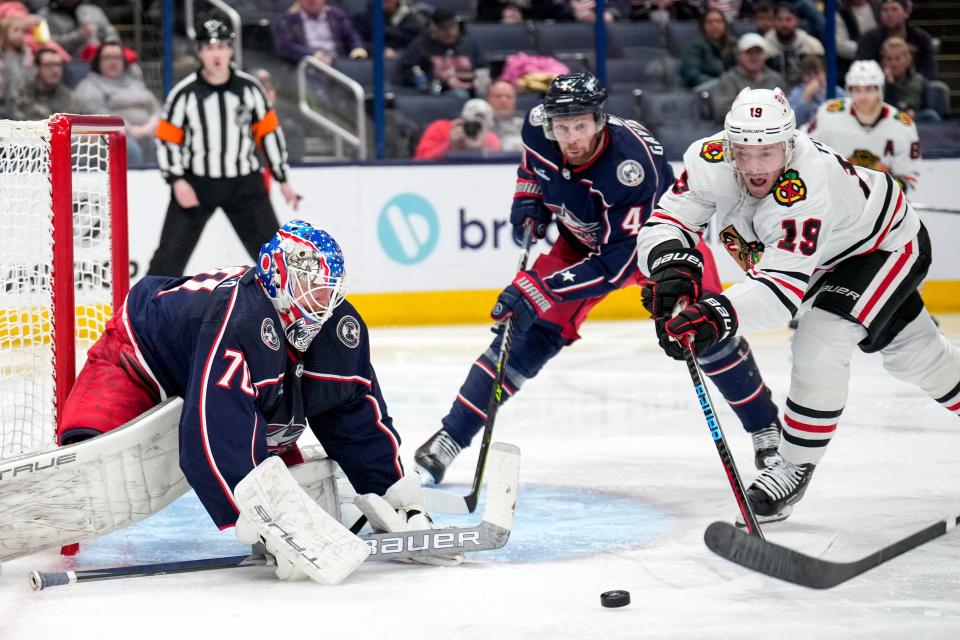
(437,501)
(786,564)
(493,532)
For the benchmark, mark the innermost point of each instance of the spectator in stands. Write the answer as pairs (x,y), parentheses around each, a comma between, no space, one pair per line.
(402,23)
(763,17)
(507,121)
(110,88)
(47,94)
(893,22)
(750,71)
(75,24)
(16,63)
(789,45)
(586,10)
(468,135)
(313,28)
(663,11)
(806,97)
(519,11)
(808,14)
(905,89)
(854,18)
(706,58)
(443,57)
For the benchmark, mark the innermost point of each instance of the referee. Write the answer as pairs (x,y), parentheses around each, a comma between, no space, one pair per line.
(211,124)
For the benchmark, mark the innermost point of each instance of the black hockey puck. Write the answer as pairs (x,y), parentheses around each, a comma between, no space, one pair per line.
(617,598)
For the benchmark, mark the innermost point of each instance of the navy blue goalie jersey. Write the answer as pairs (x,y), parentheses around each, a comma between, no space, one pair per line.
(216,340)
(599,206)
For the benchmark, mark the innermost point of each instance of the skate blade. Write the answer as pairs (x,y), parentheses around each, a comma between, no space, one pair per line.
(783,514)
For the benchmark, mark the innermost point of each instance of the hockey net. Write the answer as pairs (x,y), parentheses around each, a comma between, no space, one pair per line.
(64,264)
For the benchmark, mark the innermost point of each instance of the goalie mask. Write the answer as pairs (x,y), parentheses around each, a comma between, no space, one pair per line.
(302,270)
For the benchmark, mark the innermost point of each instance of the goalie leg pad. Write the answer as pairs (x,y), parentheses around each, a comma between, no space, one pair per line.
(304,538)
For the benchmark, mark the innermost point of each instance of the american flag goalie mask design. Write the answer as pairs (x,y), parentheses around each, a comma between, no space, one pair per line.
(302,270)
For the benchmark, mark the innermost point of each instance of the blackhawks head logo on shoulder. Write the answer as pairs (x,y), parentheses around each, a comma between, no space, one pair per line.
(712,151)
(791,189)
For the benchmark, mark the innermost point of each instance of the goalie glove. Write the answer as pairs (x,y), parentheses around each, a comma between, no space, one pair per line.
(401,509)
(304,539)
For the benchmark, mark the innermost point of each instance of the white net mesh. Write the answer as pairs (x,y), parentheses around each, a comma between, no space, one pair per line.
(27,363)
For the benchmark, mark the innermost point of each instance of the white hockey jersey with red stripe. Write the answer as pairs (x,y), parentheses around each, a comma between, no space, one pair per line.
(891,144)
(821,211)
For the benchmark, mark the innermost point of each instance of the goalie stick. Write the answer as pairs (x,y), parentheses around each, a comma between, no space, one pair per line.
(491,533)
(444,502)
(786,564)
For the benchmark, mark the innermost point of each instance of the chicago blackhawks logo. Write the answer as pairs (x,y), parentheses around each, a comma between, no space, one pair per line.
(790,190)
(712,151)
(868,159)
(747,254)
(904,118)
(834,106)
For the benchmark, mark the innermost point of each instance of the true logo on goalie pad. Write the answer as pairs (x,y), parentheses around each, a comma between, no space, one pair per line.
(423,541)
(285,536)
(55,461)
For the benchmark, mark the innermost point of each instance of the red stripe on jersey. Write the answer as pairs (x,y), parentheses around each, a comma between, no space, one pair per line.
(329,377)
(660,214)
(390,435)
(786,285)
(954,407)
(885,284)
(810,428)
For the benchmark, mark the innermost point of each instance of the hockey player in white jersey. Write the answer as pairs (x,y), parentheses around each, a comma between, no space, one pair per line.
(867,131)
(810,229)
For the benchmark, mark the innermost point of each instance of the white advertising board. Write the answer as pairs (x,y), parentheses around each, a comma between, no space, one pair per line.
(436,227)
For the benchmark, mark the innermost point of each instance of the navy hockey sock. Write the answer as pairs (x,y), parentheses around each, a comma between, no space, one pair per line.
(730,365)
(529,351)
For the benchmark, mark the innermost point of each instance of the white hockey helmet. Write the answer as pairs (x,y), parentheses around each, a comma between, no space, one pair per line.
(760,117)
(865,73)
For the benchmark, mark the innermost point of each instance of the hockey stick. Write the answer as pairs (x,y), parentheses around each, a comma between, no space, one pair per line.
(773,560)
(444,502)
(934,209)
(706,405)
(491,533)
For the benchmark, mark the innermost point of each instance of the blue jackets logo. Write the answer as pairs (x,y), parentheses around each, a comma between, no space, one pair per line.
(408,228)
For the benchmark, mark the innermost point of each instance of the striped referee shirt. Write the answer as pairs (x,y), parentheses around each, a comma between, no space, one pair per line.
(213,130)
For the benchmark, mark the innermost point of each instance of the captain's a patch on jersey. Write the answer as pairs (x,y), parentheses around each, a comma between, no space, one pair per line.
(747,254)
(712,151)
(790,190)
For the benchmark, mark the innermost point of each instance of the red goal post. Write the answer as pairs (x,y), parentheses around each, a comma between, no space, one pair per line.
(63,217)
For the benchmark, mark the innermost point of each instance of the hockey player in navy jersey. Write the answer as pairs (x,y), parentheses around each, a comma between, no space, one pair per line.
(257,354)
(599,176)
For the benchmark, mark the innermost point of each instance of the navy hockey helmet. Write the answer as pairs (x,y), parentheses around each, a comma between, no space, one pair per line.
(302,270)
(574,94)
(214,30)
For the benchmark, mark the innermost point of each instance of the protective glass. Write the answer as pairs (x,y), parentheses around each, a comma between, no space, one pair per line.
(754,159)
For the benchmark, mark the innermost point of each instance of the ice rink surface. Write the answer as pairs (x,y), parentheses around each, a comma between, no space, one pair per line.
(619,479)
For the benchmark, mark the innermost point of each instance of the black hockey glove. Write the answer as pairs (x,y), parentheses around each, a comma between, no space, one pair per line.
(675,274)
(703,324)
(528,297)
(532,210)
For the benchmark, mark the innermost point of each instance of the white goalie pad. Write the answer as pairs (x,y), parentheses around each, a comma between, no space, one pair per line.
(305,539)
(91,488)
(84,490)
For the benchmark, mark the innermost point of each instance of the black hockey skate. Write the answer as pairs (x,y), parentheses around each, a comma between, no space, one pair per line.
(766,441)
(775,491)
(435,455)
